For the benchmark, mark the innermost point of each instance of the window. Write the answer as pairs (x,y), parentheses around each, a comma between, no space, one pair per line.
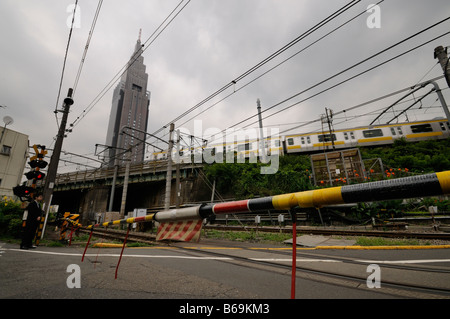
(244,147)
(308,139)
(442,126)
(352,135)
(6,150)
(290,141)
(137,88)
(421,128)
(346,136)
(373,133)
(303,140)
(399,130)
(393,131)
(327,137)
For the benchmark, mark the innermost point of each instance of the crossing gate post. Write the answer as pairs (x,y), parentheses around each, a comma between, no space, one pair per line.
(124,243)
(294,251)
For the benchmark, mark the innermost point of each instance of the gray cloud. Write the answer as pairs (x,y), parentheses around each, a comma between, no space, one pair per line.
(206,47)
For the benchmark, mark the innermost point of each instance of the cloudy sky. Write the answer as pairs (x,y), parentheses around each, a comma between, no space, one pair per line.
(206,47)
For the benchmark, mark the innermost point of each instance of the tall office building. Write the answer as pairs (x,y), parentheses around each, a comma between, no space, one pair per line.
(130,106)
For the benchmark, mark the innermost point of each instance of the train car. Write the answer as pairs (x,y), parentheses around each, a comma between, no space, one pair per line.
(374,135)
(367,136)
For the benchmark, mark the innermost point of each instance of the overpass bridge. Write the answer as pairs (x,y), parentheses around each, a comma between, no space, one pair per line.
(88,192)
(139,173)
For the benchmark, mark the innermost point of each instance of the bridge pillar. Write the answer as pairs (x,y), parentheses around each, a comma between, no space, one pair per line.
(93,201)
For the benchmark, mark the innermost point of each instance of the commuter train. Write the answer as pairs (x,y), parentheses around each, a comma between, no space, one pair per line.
(308,143)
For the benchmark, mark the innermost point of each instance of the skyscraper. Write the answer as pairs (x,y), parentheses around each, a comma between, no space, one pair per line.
(129,109)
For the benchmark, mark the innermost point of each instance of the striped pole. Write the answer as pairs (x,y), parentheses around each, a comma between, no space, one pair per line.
(434,184)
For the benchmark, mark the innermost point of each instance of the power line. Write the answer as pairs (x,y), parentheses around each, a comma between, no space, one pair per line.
(347,69)
(65,59)
(128,64)
(282,62)
(266,60)
(88,41)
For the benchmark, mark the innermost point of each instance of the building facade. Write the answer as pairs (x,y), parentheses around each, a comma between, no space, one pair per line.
(129,113)
(13,158)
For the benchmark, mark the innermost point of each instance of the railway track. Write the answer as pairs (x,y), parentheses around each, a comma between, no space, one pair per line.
(150,237)
(331,232)
(346,275)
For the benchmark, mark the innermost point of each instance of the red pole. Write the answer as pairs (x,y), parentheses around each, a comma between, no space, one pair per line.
(71,232)
(294,253)
(87,244)
(124,242)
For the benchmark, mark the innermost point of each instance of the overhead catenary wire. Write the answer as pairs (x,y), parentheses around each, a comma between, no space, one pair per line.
(352,67)
(88,41)
(280,63)
(266,60)
(132,60)
(64,62)
(344,81)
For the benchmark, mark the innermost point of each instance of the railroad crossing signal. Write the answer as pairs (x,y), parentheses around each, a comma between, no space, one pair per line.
(36,163)
(23,191)
(35,175)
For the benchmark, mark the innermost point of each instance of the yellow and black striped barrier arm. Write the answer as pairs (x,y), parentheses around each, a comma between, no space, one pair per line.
(408,187)
(434,184)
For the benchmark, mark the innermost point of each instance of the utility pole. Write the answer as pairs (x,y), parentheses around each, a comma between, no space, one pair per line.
(169,169)
(441,54)
(261,135)
(125,183)
(177,162)
(54,161)
(329,126)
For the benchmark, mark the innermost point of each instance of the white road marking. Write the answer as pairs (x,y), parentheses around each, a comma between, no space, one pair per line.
(413,261)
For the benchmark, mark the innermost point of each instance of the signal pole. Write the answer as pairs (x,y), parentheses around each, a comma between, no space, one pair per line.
(169,168)
(54,161)
(441,54)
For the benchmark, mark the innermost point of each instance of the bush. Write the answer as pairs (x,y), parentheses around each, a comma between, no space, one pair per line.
(10,217)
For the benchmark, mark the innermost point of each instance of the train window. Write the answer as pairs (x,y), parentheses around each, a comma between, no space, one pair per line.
(352,135)
(326,137)
(277,143)
(393,131)
(373,133)
(308,140)
(421,128)
(303,140)
(346,136)
(290,141)
(442,126)
(399,130)
(244,147)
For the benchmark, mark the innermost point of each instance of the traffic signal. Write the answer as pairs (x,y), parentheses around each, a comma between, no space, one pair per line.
(23,191)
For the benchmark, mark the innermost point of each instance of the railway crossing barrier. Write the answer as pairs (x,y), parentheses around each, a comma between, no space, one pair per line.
(434,184)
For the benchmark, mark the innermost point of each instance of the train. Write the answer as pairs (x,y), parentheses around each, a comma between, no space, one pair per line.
(313,142)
